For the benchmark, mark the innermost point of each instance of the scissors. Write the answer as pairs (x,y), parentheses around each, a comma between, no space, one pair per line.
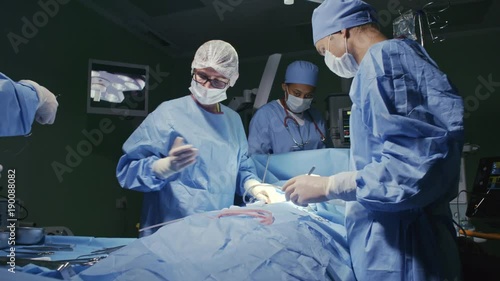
(105,251)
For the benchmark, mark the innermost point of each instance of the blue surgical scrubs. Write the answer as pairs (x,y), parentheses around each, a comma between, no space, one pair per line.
(18,105)
(268,134)
(221,168)
(406,142)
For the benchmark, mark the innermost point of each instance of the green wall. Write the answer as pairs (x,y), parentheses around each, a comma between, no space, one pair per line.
(469,59)
(57,55)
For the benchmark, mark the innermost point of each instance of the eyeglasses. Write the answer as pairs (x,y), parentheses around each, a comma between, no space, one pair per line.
(202,78)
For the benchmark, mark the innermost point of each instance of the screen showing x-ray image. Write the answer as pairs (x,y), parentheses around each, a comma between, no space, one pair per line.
(117,88)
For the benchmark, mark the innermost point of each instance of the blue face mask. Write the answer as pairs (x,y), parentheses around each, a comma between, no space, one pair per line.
(298,105)
(345,66)
(206,95)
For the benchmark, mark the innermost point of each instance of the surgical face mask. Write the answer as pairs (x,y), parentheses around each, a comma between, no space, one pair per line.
(345,66)
(206,95)
(298,105)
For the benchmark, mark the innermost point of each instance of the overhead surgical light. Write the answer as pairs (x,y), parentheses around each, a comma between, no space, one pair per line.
(110,87)
(96,89)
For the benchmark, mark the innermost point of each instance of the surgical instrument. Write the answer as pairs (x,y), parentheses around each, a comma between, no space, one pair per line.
(311,171)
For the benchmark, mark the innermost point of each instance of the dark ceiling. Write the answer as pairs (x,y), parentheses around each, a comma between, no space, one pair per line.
(263,27)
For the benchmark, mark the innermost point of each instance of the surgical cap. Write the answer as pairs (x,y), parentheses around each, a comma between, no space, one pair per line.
(220,56)
(334,15)
(302,72)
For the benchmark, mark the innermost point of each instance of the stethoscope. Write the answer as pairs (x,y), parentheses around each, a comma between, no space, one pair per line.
(289,117)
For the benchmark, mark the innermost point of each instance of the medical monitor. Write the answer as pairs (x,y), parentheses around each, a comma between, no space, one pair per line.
(484,200)
(345,132)
(339,110)
(117,88)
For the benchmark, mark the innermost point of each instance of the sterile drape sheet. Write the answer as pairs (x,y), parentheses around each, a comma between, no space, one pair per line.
(298,245)
(281,167)
(301,243)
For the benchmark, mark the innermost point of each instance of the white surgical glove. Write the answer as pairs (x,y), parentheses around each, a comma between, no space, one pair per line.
(302,190)
(263,191)
(47,104)
(179,157)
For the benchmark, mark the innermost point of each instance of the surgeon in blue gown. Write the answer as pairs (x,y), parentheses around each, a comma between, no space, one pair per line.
(406,142)
(289,123)
(191,154)
(23,102)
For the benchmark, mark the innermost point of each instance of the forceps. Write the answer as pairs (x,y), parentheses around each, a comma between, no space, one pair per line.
(45,253)
(105,251)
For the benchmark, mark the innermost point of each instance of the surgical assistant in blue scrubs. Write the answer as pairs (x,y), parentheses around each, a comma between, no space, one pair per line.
(289,123)
(23,102)
(406,143)
(191,154)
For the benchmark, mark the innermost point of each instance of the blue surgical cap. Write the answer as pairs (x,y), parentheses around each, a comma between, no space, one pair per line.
(334,15)
(302,72)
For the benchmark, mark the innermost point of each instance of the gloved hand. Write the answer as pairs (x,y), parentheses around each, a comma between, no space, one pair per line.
(263,191)
(179,157)
(302,190)
(47,104)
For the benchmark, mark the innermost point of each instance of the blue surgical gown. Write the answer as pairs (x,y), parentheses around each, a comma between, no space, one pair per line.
(406,142)
(221,168)
(267,133)
(18,104)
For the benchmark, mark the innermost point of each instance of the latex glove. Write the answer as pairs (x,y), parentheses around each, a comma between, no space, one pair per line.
(263,192)
(179,157)
(47,104)
(302,190)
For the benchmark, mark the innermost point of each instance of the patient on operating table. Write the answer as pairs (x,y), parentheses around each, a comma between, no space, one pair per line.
(279,241)
(274,242)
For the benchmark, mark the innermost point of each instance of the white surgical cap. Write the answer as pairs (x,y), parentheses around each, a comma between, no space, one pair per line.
(220,56)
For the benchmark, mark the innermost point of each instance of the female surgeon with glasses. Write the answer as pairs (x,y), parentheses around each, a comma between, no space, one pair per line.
(190,155)
(289,123)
